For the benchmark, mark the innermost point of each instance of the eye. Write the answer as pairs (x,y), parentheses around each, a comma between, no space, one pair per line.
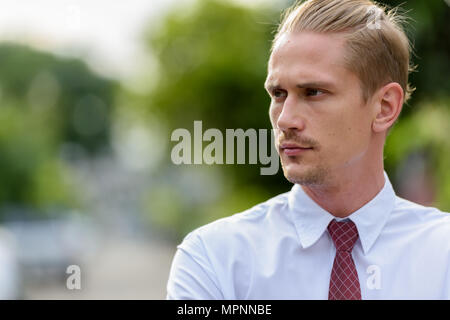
(279,94)
(311,92)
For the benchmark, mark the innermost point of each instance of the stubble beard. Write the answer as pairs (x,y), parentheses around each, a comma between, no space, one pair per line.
(314,176)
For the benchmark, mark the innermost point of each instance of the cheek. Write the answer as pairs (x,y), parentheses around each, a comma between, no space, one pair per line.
(274,113)
(340,135)
(350,137)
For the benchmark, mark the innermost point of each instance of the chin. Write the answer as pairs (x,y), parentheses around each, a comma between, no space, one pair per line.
(302,175)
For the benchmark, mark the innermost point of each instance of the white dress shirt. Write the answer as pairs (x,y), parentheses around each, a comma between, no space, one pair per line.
(281,249)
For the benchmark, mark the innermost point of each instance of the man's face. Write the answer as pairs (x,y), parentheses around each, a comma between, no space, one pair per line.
(322,125)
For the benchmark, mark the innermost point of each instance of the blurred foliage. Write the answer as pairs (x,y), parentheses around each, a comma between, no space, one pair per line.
(426,130)
(77,100)
(46,102)
(429,30)
(212,65)
(212,61)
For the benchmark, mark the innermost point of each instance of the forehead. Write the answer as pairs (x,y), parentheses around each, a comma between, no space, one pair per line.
(308,56)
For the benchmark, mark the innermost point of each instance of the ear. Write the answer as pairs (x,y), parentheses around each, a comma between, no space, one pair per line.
(389,104)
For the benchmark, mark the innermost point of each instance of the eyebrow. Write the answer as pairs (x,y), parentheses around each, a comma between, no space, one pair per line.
(314,84)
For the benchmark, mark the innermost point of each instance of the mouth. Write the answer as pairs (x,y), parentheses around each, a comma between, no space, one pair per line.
(293,149)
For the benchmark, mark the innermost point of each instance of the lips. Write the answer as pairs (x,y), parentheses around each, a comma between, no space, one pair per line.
(291,149)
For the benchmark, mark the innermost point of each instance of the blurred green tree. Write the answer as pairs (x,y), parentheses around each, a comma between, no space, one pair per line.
(46,102)
(212,67)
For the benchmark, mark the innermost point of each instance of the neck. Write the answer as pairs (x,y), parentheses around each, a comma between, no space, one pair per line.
(350,191)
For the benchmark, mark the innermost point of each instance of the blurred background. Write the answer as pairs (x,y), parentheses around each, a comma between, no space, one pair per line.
(90,92)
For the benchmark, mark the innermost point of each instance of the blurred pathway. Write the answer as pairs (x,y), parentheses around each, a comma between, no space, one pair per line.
(122,269)
(128,260)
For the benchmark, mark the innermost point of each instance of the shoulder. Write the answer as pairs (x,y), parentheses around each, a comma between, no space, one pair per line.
(239,229)
(420,212)
(213,260)
(428,220)
(251,216)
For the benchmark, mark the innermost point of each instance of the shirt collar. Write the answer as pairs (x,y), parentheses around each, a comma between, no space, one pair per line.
(311,220)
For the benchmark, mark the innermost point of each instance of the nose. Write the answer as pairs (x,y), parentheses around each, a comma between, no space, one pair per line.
(290,117)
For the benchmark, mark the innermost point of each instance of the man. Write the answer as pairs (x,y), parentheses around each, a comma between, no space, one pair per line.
(337,77)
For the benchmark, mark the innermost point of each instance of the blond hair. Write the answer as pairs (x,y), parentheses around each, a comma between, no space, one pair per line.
(377,48)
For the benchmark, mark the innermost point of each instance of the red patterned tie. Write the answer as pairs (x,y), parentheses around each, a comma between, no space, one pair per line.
(344,283)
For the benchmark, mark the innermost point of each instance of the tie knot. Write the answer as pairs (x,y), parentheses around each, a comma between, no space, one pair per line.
(344,234)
